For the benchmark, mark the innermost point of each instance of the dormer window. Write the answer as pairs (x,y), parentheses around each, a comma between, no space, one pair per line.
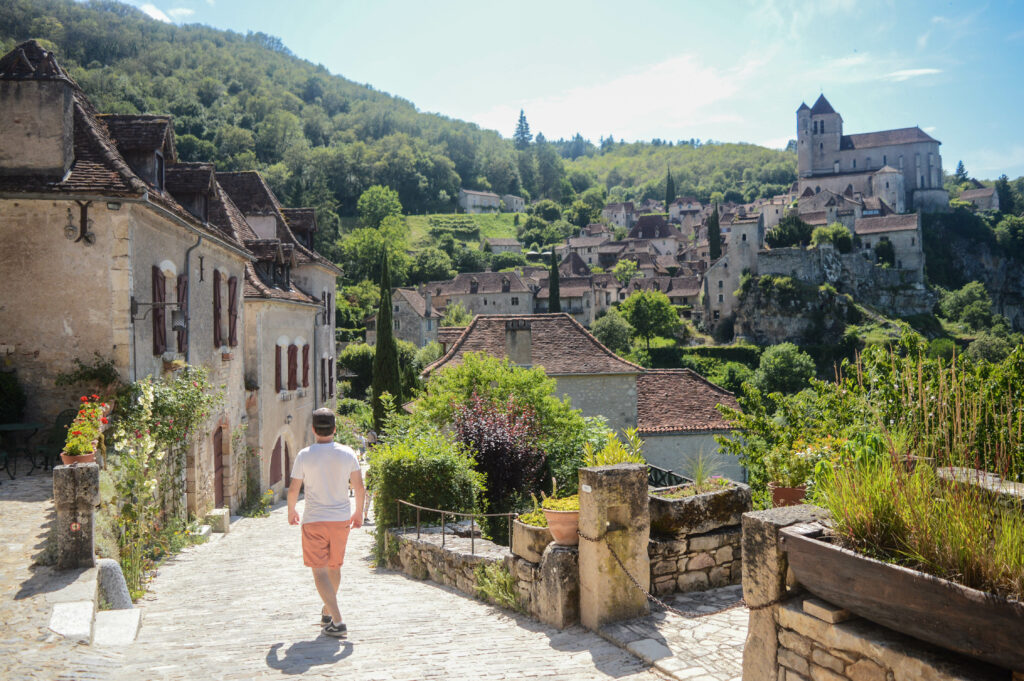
(474,286)
(204,207)
(158,176)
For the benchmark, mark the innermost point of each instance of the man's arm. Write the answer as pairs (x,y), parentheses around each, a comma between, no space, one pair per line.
(293,498)
(355,479)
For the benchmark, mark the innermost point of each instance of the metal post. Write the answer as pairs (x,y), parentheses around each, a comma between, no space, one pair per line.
(472,535)
(442,529)
(417,523)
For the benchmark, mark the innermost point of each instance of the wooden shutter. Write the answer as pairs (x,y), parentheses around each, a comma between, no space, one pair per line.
(293,367)
(305,366)
(183,306)
(323,379)
(323,303)
(330,377)
(159,314)
(277,368)
(233,311)
(218,340)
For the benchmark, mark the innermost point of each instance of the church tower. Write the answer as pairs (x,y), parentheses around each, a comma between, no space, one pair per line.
(803,140)
(825,137)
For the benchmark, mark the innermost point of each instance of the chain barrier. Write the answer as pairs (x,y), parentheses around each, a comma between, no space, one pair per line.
(657,601)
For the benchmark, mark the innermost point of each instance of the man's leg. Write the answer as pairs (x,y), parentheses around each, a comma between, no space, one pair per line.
(328,590)
(334,574)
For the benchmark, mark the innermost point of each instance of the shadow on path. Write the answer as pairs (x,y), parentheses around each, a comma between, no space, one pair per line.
(301,656)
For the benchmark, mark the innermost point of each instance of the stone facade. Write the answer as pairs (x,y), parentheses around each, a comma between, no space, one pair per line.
(478,202)
(696,562)
(610,395)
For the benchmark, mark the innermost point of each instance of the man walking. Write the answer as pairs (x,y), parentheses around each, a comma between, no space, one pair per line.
(327,469)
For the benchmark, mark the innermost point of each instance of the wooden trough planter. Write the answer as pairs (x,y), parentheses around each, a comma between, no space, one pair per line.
(529,541)
(700,513)
(964,620)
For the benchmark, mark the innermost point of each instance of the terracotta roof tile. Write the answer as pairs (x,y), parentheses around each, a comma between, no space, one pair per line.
(416,302)
(559,343)
(503,241)
(679,400)
(136,132)
(446,335)
(887,223)
(654,227)
(972,194)
(487,282)
(189,178)
(257,288)
(884,138)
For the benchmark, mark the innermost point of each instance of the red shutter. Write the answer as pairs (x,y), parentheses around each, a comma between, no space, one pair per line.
(277,369)
(218,340)
(323,379)
(183,306)
(159,314)
(293,367)
(330,377)
(305,366)
(233,311)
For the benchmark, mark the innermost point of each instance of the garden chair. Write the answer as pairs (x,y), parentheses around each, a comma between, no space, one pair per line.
(45,453)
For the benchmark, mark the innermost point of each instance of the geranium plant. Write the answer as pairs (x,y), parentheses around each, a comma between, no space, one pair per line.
(86,428)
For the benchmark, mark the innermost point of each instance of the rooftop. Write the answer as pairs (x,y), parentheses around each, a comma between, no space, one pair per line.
(886,223)
(679,400)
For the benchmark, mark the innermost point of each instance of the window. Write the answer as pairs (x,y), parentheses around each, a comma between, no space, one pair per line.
(293,367)
(232,311)
(743,238)
(854,163)
(884,160)
(821,147)
(719,283)
(159,311)
(278,382)
(218,337)
(396,308)
(913,241)
(182,291)
(398,325)
(158,175)
(716,315)
(721,298)
(515,301)
(886,185)
(305,366)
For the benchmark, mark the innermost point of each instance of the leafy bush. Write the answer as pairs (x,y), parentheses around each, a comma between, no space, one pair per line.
(102,373)
(989,347)
(614,451)
(835,234)
(784,368)
(731,376)
(569,503)
(791,231)
(495,584)
(885,253)
(424,468)
(941,347)
(613,331)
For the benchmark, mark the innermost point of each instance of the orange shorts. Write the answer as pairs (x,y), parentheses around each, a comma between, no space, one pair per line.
(323,543)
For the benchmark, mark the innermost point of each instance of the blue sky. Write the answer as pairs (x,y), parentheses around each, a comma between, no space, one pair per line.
(729,71)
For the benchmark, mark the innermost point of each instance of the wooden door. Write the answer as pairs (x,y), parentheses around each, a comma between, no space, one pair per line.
(275,463)
(287,465)
(218,468)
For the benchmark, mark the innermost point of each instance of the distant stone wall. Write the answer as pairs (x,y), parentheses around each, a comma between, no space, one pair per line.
(697,562)
(612,396)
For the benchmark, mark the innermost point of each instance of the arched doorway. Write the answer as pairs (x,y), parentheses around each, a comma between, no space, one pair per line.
(219,468)
(287,465)
(275,463)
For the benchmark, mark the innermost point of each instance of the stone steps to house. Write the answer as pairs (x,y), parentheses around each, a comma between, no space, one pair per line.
(76,614)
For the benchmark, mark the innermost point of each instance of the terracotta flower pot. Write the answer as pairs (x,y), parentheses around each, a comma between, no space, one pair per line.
(787,496)
(563,526)
(71,459)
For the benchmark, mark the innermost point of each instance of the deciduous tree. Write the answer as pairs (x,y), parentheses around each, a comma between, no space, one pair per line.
(651,314)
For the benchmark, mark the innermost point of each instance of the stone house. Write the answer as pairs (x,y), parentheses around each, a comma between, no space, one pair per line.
(620,214)
(415,319)
(678,209)
(596,229)
(656,230)
(984,198)
(502,245)
(576,295)
(478,202)
(289,333)
(678,419)
(681,291)
(572,265)
(902,231)
(484,293)
(904,156)
(513,203)
(722,278)
(586,247)
(103,246)
(596,380)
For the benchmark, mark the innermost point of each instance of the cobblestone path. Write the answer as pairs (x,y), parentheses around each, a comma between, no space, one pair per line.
(244,607)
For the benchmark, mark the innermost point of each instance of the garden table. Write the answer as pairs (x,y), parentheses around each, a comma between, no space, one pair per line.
(10,434)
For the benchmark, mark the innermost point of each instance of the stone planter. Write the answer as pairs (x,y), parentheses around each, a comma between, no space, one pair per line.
(700,513)
(529,541)
(563,526)
(967,621)
(786,496)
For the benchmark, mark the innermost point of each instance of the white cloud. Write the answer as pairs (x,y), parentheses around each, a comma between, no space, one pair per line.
(154,12)
(995,162)
(907,74)
(929,129)
(180,13)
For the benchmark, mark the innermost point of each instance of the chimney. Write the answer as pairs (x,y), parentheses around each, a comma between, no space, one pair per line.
(37,110)
(427,301)
(519,342)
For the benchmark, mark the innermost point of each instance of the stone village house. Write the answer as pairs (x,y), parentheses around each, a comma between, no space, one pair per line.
(674,410)
(415,319)
(107,235)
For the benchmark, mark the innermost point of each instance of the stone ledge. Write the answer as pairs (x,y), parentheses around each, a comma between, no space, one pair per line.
(73,620)
(117,627)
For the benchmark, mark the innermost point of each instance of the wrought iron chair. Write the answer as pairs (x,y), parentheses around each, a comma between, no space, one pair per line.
(45,453)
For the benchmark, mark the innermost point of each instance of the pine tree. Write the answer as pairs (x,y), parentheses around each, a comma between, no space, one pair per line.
(961,173)
(670,188)
(554,301)
(386,375)
(522,135)
(714,234)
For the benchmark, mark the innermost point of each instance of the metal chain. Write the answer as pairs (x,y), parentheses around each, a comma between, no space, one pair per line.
(657,601)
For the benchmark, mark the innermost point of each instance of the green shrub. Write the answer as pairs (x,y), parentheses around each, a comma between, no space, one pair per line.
(424,468)
(941,347)
(835,234)
(495,584)
(784,368)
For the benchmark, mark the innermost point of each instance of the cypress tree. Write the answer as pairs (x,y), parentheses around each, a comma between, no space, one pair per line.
(554,302)
(714,234)
(670,188)
(386,376)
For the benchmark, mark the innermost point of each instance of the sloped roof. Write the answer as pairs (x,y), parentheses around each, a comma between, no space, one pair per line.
(490,195)
(876,203)
(803,105)
(572,265)
(653,227)
(301,219)
(886,169)
(487,282)
(503,241)
(883,138)
(886,223)
(416,302)
(679,400)
(138,132)
(972,194)
(559,343)
(256,288)
(189,178)
(446,335)
(821,106)
(587,241)
(225,216)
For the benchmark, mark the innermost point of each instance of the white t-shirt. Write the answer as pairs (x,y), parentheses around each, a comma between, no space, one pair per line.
(324,469)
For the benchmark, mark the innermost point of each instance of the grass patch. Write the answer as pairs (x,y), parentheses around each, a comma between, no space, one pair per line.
(685,491)
(495,584)
(491,226)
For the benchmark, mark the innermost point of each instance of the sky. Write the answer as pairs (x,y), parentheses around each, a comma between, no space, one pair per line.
(731,71)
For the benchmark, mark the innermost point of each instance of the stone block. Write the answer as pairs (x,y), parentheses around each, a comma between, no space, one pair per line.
(764,565)
(795,642)
(723,555)
(701,561)
(219,520)
(822,674)
(665,585)
(761,648)
(117,627)
(73,620)
(558,587)
(718,576)
(824,659)
(649,650)
(706,542)
(81,587)
(692,581)
(826,612)
(865,670)
(76,494)
(790,660)
(529,542)
(663,567)
(112,584)
(700,513)
(525,571)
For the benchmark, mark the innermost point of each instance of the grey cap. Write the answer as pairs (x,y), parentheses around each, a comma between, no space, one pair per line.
(323,418)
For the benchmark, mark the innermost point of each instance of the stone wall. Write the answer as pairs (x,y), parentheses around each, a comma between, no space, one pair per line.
(696,562)
(610,395)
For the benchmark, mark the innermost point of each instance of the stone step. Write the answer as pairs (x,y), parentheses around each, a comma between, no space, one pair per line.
(203,532)
(73,620)
(116,627)
(219,519)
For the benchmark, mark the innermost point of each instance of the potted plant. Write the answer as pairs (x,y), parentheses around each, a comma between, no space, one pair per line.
(563,516)
(791,470)
(84,432)
(937,561)
(530,534)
